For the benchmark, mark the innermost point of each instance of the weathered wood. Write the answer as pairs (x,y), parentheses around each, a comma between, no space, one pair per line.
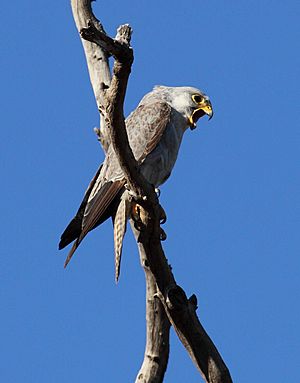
(181,312)
(157,329)
(157,323)
(97,61)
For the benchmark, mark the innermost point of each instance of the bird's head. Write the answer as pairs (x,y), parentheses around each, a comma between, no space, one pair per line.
(200,107)
(192,103)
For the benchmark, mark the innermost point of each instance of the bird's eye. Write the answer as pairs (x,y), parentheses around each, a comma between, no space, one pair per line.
(197,98)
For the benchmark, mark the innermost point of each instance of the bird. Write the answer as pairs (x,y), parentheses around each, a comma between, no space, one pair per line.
(155,130)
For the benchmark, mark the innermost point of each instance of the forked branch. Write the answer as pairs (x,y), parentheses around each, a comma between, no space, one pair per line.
(110,94)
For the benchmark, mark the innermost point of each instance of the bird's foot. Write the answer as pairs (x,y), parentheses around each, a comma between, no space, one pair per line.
(162,235)
(133,195)
(136,216)
(162,215)
(130,192)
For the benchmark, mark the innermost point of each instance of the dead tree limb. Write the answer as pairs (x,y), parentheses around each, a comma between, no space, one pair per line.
(157,328)
(97,61)
(110,94)
(157,324)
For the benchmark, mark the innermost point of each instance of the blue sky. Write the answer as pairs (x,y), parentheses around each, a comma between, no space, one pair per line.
(232,201)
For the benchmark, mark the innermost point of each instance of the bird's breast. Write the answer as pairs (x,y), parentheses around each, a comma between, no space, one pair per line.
(158,165)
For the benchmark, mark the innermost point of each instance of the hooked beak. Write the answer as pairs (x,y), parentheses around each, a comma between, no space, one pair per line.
(204,109)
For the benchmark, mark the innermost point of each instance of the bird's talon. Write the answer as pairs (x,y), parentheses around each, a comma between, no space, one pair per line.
(163,220)
(130,192)
(162,216)
(126,186)
(101,194)
(135,212)
(138,225)
(162,235)
(157,191)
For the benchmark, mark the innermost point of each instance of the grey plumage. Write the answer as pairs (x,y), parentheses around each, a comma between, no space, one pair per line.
(155,130)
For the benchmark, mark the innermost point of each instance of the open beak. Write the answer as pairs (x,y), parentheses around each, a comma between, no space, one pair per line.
(204,109)
(207,109)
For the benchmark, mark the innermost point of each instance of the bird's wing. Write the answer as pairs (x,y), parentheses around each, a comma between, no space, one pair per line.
(73,230)
(145,127)
(149,121)
(97,211)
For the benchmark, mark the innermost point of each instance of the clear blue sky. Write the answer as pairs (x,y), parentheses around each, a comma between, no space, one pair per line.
(232,202)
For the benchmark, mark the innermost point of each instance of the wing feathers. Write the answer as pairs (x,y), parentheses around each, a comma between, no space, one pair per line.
(156,127)
(73,230)
(96,212)
(98,205)
(145,127)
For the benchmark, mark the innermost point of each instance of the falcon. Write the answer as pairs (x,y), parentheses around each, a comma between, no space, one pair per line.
(155,130)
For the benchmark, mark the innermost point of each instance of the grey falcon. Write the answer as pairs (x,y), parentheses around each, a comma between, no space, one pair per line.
(155,130)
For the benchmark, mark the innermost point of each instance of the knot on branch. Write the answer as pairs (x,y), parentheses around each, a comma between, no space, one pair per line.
(163,235)
(193,301)
(90,32)
(176,299)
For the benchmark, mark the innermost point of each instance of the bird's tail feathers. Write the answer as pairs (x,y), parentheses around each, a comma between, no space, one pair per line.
(71,252)
(96,211)
(120,223)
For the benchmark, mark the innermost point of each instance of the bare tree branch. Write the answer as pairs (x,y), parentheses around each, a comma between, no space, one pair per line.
(157,324)
(97,61)
(157,328)
(113,101)
(180,311)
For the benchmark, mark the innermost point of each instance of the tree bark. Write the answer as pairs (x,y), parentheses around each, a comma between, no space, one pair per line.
(97,62)
(162,290)
(157,324)
(157,328)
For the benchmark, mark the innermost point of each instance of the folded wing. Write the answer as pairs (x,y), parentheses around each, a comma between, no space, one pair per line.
(145,127)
